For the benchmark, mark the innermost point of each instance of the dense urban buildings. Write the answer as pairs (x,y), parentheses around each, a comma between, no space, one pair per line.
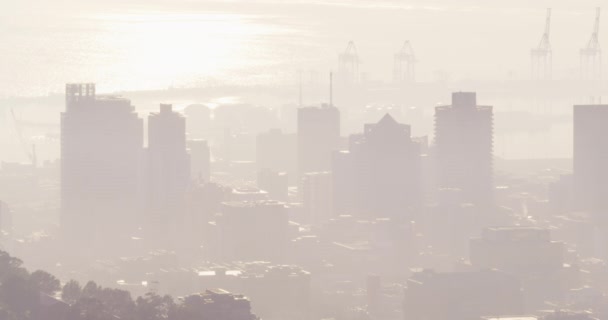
(312,225)
(451,175)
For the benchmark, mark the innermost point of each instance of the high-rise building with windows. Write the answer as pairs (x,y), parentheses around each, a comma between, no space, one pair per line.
(380,173)
(464,143)
(101,151)
(590,174)
(168,170)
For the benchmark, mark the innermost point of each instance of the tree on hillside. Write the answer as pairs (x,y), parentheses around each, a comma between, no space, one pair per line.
(44,282)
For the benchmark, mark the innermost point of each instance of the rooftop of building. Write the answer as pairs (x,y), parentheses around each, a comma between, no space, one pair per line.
(463,101)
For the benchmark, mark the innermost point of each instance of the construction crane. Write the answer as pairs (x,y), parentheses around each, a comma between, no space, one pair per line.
(404,64)
(349,64)
(541,55)
(591,55)
(30,153)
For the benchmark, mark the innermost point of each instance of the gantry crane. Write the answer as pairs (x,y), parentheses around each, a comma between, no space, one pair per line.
(591,55)
(404,64)
(349,64)
(541,55)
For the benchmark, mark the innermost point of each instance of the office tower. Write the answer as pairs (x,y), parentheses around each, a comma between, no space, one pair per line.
(253,230)
(101,150)
(276,184)
(168,171)
(463,142)
(318,137)
(385,171)
(590,157)
(276,151)
(461,295)
(318,199)
(200,160)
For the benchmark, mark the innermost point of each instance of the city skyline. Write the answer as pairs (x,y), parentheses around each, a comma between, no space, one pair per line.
(324,160)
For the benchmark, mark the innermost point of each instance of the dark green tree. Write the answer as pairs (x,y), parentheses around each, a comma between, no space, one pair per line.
(71,292)
(154,307)
(44,282)
(18,295)
(91,289)
(117,302)
(89,308)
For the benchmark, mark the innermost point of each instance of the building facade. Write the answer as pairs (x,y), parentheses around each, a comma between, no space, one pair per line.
(464,148)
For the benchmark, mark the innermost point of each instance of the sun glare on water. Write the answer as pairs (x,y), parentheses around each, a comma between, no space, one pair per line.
(155,48)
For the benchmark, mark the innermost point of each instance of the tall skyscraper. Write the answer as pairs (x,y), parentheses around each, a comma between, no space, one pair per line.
(591,157)
(385,171)
(464,142)
(318,138)
(101,148)
(168,170)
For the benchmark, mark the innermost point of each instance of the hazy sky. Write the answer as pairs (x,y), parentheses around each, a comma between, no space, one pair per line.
(135,44)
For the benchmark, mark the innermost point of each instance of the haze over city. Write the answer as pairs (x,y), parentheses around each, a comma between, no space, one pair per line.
(331,159)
